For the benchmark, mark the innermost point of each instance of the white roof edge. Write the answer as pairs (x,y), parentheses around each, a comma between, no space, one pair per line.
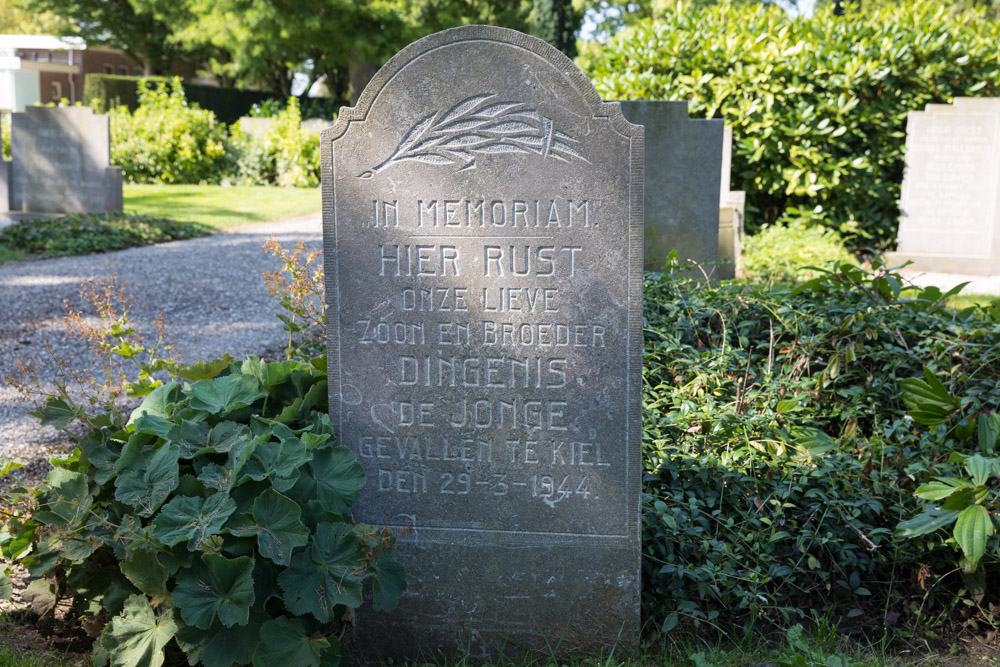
(48,42)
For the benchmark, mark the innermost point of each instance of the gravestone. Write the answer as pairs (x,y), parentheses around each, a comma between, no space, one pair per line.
(732,216)
(483,237)
(681,203)
(61,162)
(4,185)
(949,208)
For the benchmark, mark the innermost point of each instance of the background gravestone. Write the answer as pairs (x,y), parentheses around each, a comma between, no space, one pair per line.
(61,162)
(949,209)
(732,216)
(483,235)
(682,179)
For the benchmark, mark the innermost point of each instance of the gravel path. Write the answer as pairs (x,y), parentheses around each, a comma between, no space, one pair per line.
(210,291)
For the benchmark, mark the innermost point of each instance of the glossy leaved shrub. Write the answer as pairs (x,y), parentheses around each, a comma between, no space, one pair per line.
(801,462)
(818,105)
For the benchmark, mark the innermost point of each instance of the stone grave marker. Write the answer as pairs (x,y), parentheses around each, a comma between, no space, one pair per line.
(483,242)
(61,162)
(732,215)
(949,206)
(681,203)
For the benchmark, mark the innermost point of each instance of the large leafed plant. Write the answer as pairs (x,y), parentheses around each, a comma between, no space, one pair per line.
(213,521)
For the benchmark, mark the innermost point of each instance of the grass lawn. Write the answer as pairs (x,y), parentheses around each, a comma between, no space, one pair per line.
(219,206)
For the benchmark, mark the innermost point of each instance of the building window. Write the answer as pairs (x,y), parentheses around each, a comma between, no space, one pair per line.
(123,70)
(109,69)
(56,91)
(136,71)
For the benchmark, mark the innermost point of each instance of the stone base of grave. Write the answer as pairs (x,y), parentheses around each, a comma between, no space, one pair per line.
(974,266)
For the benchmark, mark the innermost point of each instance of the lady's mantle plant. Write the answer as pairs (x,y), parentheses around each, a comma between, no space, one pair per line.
(214,521)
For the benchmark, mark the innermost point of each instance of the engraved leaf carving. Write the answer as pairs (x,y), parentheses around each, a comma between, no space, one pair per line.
(473,126)
(510,127)
(498,108)
(463,125)
(415,133)
(464,107)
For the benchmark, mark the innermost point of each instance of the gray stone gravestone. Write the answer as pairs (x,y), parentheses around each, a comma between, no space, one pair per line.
(483,236)
(683,158)
(732,216)
(950,200)
(61,162)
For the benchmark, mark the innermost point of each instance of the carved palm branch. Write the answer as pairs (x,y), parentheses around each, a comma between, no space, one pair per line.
(477,126)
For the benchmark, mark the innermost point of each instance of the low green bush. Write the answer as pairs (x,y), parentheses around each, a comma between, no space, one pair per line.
(785,254)
(782,451)
(818,105)
(286,154)
(86,233)
(167,140)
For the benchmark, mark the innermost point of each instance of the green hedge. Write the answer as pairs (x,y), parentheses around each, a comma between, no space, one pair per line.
(106,91)
(818,106)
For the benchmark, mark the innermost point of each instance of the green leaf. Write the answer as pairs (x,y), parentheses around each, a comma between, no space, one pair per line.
(6,587)
(196,438)
(972,529)
(148,424)
(928,401)
(935,490)
(204,370)
(926,522)
(988,427)
(284,641)
(325,576)
(146,483)
(389,583)
(215,588)
(809,441)
(68,500)
(225,394)
(9,465)
(192,519)
(146,573)
(58,413)
(338,477)
(277,524)
(138,636)
(158,402)
(278,463)
(221,646)
(980,469)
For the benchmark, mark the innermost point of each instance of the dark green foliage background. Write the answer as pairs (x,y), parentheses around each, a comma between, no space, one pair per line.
(556,22)
(818,106)
(86,233)
(779,456)
(106,91)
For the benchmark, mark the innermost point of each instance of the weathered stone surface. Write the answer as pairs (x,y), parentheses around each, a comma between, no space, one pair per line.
(949,208)
(732,216)
(4,185)
(683,158)
(61,158)
(483,236)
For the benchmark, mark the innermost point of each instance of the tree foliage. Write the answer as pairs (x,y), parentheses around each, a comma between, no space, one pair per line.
(557,23)
(818,106)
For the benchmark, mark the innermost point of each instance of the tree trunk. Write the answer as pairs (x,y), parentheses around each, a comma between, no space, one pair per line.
(359,73)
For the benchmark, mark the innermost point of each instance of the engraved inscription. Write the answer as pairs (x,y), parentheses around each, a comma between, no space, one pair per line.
(476,126)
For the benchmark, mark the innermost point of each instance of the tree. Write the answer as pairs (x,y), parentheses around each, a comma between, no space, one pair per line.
(121,24)
(557,23)
(15,19)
